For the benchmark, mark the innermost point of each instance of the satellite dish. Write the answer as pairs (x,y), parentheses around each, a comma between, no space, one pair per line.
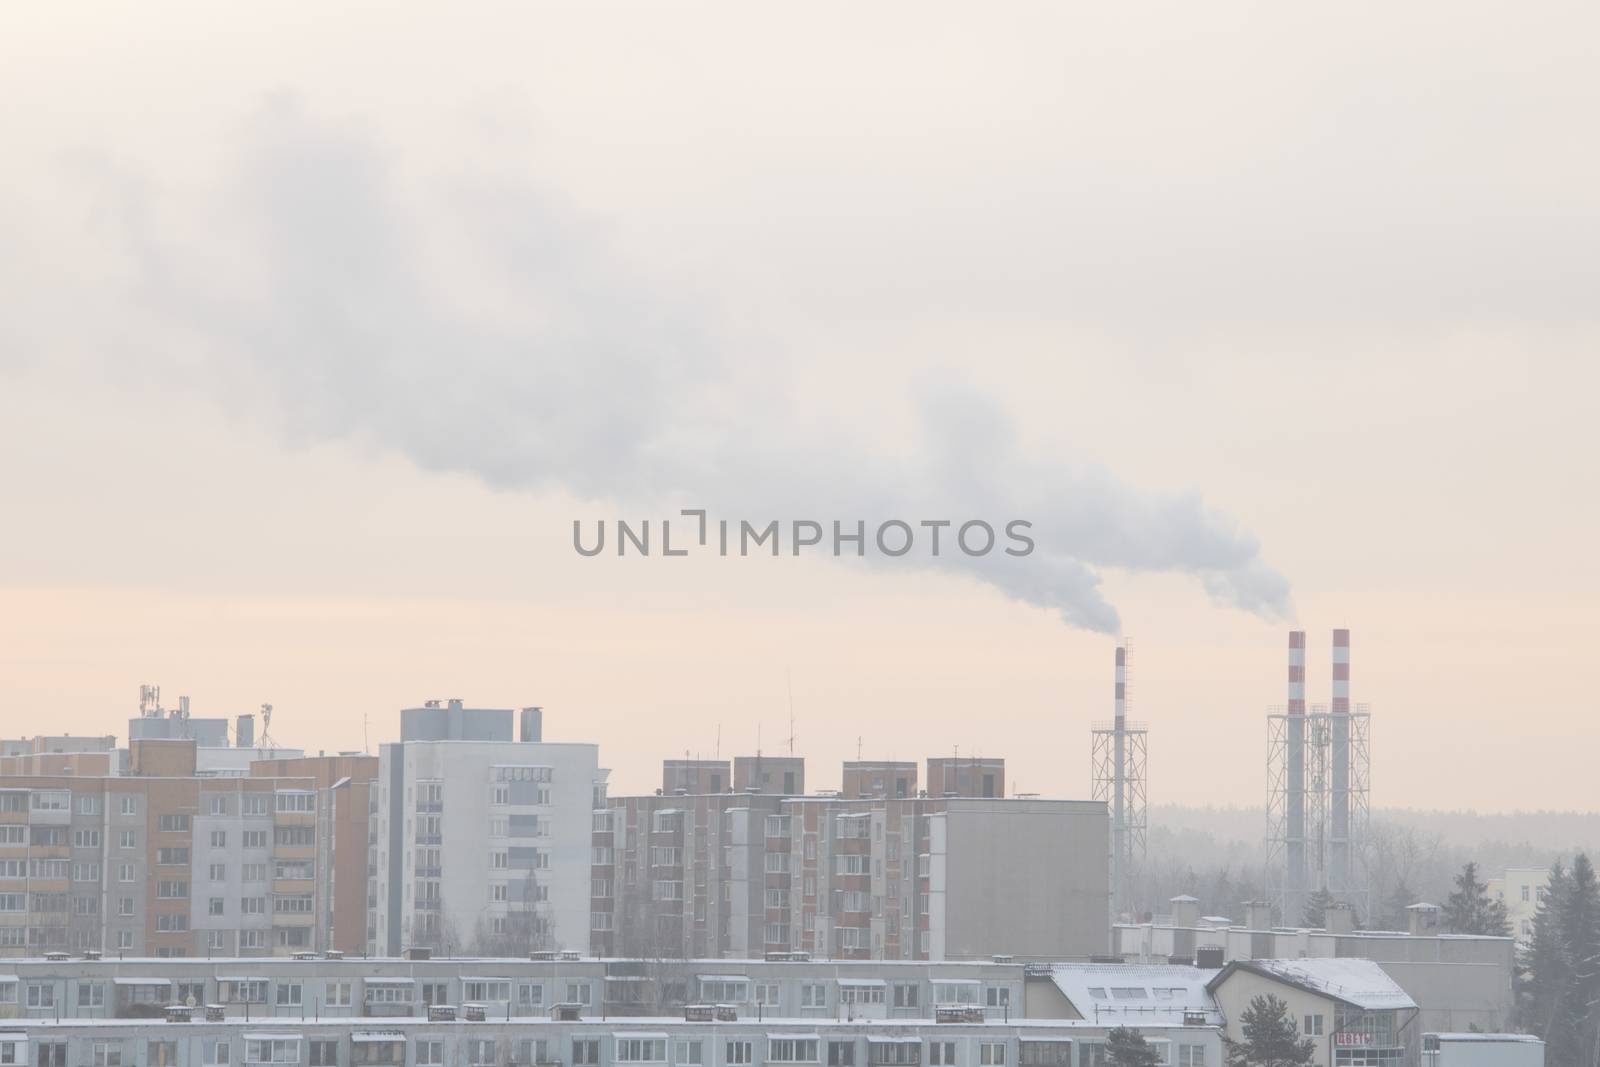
(189,1000)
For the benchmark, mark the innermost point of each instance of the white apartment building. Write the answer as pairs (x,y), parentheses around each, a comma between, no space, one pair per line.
(480,843)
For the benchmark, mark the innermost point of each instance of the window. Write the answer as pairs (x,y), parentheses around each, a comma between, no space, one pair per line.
(905,994)
(841,1054)
(161,1054)
(430,1053)
(214,906)
(172,924)
(219,839)
(219,805)
(532,1050)
(130,805)
(336,994)
(253,905)
(586,1052)
(290,994)
(895,1053)
(641,1050)
(172,890)
(852,864)
(690,1054)
(792,1050)
(125,937)
(41,995)
(324,1053)
(941,1053)
(1191,1056)
(288,801)
(293,904)
(272,1050)
(480,1050)
(955,992)
(777,863)
(127,839)
(1313,1026)
(1046,1053)
(295,836)
(172,857)
(991,1053)
(86,839)
(738,1053)
(91,995)
(767,993)
(218,872)
(214,1051)
(487,989)
(253,804)
(106,1054)
(51,1054)
(253,872)
(255,839)
(85,872)
(724,991)
(578,993)
(173,824)
(777,898)
(997,996)
(530,994)
(813,995)
(861,994)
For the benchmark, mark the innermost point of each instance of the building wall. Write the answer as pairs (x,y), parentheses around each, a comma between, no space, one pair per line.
(1029,878)
(536,839)
(1235,995)
(1521,889)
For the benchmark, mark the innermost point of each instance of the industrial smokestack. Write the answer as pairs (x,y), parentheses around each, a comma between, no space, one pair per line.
(1339,815)
(1294,882)
(1119,791)
(244,732)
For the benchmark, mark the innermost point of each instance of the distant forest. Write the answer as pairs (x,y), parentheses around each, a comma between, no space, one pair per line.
(1217,854)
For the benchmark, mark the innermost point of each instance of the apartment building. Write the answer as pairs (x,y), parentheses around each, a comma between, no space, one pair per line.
(162,862)
(481,841)
(875,876)
(696,1039)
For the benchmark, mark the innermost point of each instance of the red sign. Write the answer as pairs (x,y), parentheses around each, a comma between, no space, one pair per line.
(1351,1037)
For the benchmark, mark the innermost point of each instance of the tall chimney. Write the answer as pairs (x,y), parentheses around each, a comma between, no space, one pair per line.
(1119,814)
(1339,799)
(1294,882)
(244,732)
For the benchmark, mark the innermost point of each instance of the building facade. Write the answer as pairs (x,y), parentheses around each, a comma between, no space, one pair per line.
(481,844)
(163,862)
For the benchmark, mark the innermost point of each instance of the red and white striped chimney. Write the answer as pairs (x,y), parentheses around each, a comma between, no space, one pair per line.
(1297,672)
(1341,672)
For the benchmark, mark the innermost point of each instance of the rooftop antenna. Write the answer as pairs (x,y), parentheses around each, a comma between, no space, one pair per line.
(716,753)
(788,676)
(266,727)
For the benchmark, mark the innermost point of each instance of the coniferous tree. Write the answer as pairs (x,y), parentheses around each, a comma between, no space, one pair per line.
(1470,910)
(1580,931)
(1546,964)
(1394,914)
(1315,912)
(1271,1038)
(1128,1048)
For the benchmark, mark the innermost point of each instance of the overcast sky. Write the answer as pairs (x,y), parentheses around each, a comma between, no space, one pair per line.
(320,329)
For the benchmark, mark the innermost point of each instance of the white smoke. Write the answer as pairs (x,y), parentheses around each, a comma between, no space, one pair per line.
(522,353)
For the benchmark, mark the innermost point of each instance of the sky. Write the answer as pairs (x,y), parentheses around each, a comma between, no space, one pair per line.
(322,327)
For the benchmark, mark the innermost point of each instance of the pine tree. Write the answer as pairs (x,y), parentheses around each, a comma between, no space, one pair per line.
(1128,1048)
(1546,964)
(1271,1038)
(1469,909)
(1315,912)
(1395,914)
(1580,931)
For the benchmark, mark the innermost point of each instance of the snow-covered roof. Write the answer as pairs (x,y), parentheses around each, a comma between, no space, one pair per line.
(1359,983)
(1493,1039)
(1151,991)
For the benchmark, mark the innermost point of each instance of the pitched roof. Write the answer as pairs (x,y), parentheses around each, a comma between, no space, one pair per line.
(1357,983)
